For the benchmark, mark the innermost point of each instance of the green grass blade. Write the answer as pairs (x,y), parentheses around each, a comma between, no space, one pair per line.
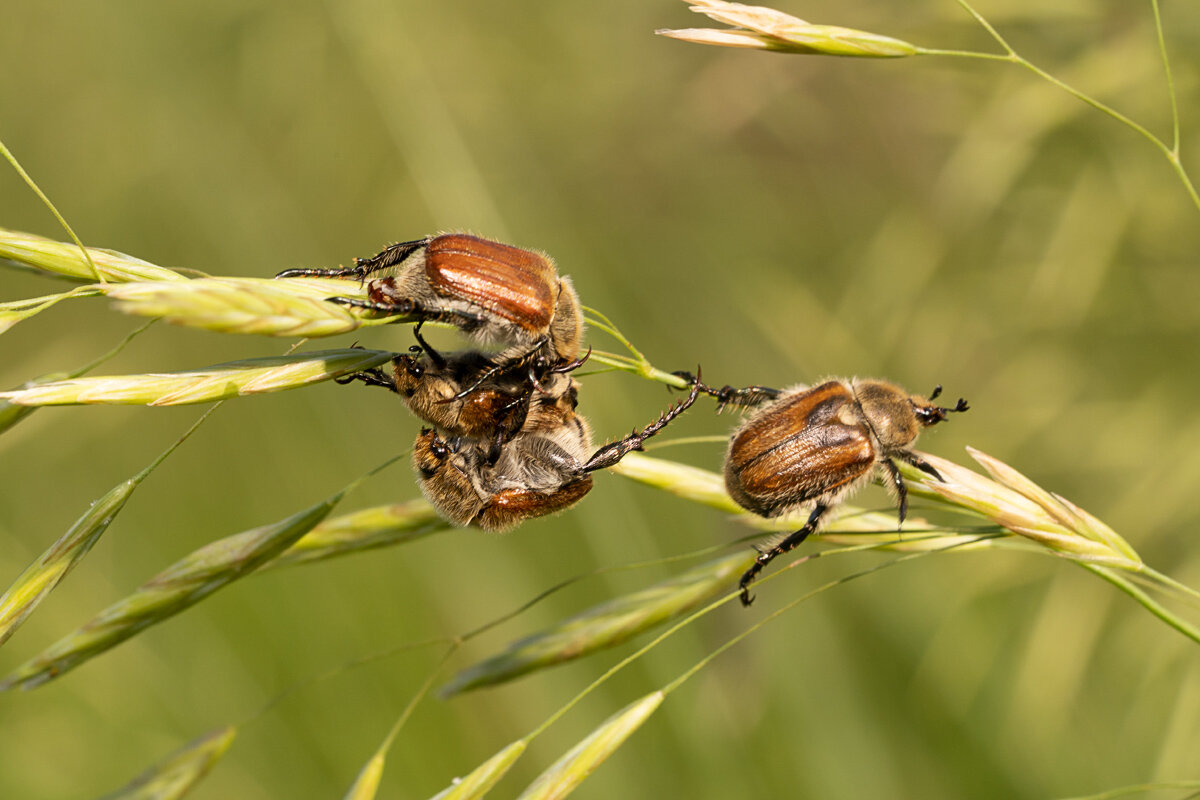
(232,379)
(605,625)
(582,760)
(180,586)
(176,775)
(1148,602)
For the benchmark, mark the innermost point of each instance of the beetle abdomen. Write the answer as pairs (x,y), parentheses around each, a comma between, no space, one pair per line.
(510,507)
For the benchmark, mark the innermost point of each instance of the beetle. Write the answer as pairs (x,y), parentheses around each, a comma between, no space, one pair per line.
(544,469)
(817,445)
(467,393)
(494,292)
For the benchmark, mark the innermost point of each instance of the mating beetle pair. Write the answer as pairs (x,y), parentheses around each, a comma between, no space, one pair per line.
(515,446)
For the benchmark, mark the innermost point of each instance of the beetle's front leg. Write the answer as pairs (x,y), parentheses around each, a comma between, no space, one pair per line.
(391,256)
(371,377)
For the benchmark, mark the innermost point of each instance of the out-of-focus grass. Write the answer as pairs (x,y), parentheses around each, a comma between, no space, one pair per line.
(774,219)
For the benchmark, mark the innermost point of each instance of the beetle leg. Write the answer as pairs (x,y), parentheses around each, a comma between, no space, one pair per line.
(901,489)
(611,453)
(337,272)
(921,464)
(407,307)
(790,543)
(363,267)
(390,256)
(437,358)
(507,366)
(571,366)
(371,377)
(745,397)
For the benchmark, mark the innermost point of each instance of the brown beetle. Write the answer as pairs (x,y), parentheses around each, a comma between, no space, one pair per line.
(495,292)
(544,469)
(467,393)
(818,444)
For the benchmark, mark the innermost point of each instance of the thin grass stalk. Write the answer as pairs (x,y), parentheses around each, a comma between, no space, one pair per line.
(1127,586)
(606,625)
(366,784)
(767,29)
(569,771)
(11,413)
(13,312)
(94,272)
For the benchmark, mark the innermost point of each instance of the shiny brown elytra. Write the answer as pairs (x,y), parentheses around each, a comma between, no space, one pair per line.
(495,292)
(816,445)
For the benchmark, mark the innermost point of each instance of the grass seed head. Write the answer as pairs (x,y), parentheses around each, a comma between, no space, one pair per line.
(767,29)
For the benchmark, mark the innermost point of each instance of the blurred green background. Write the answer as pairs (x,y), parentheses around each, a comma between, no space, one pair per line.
(774,218)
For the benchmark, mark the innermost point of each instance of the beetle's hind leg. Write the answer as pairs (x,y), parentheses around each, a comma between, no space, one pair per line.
(745,397)
(790,543)
(611,453)
(414,310)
